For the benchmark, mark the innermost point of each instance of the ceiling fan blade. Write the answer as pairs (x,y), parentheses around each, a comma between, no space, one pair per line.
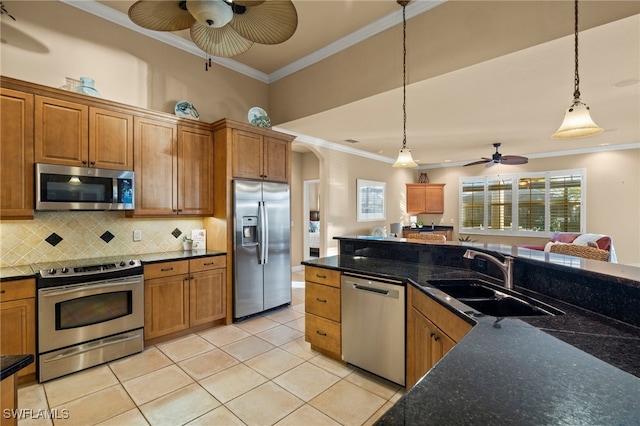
(160,15)
(491,164)
(484,160)
(225,41)
(271,22)
(513,159)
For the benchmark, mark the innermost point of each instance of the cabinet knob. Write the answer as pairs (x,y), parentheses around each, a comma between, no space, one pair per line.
(179,210)
(93,163)
(84,162)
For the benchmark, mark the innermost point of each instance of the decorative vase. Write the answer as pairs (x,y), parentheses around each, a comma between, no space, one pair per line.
(87,87)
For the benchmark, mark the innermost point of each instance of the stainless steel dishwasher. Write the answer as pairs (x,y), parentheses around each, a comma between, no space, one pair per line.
(373,325)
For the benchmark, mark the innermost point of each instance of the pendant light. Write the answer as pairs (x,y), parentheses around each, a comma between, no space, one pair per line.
(404,157)
(577,121)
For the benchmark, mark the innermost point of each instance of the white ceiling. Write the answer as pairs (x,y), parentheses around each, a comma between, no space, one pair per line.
(517,99)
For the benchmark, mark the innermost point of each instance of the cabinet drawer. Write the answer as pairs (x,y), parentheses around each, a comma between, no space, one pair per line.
(323,333)
(322,276)
(207,263)
(18,289)
(166,269)
(451,324)
(323,301)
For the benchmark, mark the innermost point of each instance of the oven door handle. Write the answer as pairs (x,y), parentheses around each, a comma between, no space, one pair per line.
(92,346)
(72,289)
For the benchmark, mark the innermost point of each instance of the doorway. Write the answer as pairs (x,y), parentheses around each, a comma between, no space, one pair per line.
(311,212)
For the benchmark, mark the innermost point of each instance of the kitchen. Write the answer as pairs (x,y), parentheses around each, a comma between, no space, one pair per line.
(336,223)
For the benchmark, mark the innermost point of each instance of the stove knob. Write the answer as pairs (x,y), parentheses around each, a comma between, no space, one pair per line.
(132,262)
(122,263)
(52,271)
(64,270)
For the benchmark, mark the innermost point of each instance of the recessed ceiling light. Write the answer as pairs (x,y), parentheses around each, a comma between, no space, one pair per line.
(627,83)
(447,161)
(605,144)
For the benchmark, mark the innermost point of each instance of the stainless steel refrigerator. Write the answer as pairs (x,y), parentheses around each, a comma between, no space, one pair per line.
(262,258)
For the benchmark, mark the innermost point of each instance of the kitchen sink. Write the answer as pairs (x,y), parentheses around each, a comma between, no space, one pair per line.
(493,300)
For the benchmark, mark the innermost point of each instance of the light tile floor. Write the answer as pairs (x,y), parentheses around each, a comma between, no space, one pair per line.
(256,372)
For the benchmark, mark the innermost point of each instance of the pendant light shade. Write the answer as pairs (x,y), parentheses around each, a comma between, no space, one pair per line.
(577,121)
(404,157)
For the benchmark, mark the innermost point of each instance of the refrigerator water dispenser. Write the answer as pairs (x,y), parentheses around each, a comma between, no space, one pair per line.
(249,230)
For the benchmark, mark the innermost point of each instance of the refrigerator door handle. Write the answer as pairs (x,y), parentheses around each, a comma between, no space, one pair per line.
(265,232)
(262,232)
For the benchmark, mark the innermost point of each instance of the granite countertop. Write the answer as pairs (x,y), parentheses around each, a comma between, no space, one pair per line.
(30,271)
(11,364)
(522,373)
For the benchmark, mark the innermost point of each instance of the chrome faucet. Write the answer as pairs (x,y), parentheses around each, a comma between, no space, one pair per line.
(506,267)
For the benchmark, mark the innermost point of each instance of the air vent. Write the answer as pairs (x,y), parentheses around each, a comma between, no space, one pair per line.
(351,141)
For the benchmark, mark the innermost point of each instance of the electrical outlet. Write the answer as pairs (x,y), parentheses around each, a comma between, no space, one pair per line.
(137,235)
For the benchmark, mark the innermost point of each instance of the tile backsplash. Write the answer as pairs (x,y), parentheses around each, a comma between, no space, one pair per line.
(59,236)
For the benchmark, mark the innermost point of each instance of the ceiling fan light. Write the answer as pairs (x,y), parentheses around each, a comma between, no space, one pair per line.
(405,160)
(212,13)
(577,123)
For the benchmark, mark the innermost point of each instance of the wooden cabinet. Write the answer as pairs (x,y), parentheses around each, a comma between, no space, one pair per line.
(18,320)
(183,294)
(448,233)
(174,169)
(16,155)
(260,157)
(432,330)
(75,134)
(425,198)
(323,311)
(195,171)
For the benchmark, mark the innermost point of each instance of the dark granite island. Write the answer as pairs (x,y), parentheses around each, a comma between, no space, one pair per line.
(524,372)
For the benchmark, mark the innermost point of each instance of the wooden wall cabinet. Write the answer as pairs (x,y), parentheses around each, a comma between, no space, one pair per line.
(432,330)
(75,134)
(424,198)
(18,320)
(16,155)
(323,328)
(184,294)
(174,169)
(260,157)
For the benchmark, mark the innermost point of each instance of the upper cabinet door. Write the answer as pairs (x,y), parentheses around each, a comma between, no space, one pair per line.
(195,171)
(16,154)
(156,169)
(276,160)
(425,198)
(247,155)
(61,132)
(110,139)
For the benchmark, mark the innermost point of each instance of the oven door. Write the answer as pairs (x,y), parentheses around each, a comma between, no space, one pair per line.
(73,314)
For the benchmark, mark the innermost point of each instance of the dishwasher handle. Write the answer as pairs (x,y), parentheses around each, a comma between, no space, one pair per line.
(371,289)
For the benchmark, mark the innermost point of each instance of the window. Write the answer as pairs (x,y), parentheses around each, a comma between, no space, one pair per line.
(523,204)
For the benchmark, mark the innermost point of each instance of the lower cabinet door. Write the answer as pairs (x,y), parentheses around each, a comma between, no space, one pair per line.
(166,303)
(207,295)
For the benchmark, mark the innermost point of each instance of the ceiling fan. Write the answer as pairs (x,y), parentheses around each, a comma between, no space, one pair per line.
(498,158)
(220,27)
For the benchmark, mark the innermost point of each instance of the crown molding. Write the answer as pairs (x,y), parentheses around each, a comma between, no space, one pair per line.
(413,9)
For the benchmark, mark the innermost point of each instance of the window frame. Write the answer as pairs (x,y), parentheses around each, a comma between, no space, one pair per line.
(515,178)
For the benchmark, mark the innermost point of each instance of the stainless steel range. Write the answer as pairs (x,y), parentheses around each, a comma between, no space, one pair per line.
(89,312)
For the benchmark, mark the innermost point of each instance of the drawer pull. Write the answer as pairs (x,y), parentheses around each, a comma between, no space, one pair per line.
(321,276)
(321,333)
(209,263)
(166,269)
(321,300)
(3,291)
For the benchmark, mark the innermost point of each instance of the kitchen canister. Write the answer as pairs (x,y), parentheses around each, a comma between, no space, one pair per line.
(87,87)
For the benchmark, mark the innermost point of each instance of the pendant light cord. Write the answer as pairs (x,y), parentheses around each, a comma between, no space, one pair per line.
(404,78)
(576,87)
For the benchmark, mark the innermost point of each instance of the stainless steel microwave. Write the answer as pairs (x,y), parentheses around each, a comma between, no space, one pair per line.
(82,188)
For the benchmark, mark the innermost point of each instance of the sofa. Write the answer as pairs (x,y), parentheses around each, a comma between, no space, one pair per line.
(598,241)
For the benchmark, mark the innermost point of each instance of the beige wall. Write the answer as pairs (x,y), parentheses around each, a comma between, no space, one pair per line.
(297,214)
(613,196)
(51,41)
